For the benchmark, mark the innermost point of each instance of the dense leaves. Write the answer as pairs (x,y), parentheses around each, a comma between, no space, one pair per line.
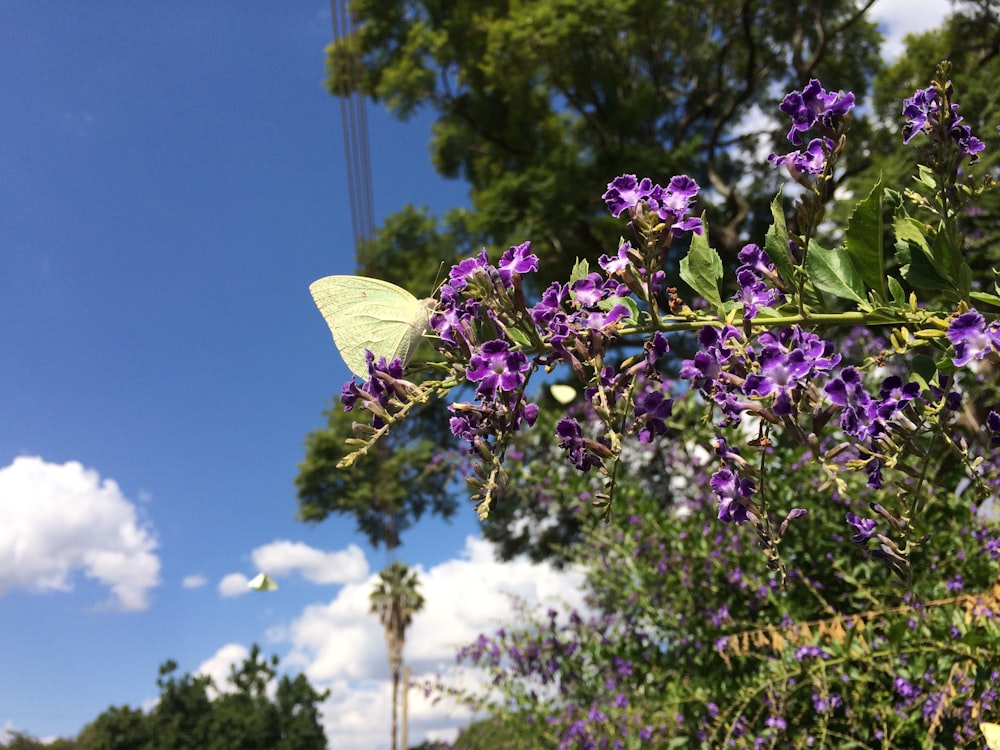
(536,104)
(250,713)
(386,491)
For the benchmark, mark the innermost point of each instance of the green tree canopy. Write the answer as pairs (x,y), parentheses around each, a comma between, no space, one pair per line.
(192,713)
(539,105)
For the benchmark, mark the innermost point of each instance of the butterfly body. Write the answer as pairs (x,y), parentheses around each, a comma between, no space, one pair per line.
(262,582)
(371,314)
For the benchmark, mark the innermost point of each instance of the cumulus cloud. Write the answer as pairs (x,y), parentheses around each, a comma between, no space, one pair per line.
(221,663)
(57,519)
(195,581)
(340,646)
(897,18)
(284,557)
(234,584)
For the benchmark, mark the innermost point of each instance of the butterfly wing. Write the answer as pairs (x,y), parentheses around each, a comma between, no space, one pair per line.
(262,582)
(992,734)
(370,314)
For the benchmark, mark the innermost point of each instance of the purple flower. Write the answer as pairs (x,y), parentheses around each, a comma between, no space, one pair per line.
(814,105)
(671,204)
(811,160)
(733,492)
(753,292)
(993,425)
(464,270)
(376,392)
(518,259)
(864,528)
(788,360)
(571,439)
(917,109)
(923,112)
(972,338)
(495,367)
(857,418)
(618,263)
(652,409)
(625,192)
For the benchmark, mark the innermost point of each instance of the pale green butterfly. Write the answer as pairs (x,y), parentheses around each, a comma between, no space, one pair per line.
(564,394)
(371,314)
(263,582)
(992,734)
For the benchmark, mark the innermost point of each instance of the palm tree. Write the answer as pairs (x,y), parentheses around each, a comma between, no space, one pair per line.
(395,600)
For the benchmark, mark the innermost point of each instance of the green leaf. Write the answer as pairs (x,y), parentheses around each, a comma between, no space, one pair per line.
(989,299)
(896,289)
(776,242)
(580,270)
(701,269)
(915,257)
(863,241)
(832,271)
(519,337)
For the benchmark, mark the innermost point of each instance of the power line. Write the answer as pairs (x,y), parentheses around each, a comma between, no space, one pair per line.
(349,73)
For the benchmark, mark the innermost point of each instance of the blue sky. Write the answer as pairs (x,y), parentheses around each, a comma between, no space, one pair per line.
(171,180)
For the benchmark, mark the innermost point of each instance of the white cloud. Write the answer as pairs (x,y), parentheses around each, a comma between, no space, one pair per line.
(284,557)
(195,581)
(901,17)
(340,646)
(56,519)
(221,663)
(234,584)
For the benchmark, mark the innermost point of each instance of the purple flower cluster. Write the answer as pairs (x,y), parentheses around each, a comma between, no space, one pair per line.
(384,383)
(477,290)
(753,277)
(496,367)
(737,374)
(866,418)
(972,338)
(584,453)
(578,318)
(551,658)
(671,204)
(815,107)
(812,108)
(923,112)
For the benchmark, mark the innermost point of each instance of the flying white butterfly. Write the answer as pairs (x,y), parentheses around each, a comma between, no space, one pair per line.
(262,582)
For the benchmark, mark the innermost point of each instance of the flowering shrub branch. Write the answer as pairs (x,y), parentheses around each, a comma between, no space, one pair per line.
(762,369)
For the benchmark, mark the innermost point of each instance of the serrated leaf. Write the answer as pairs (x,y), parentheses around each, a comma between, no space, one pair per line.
(776,241)
(832,271)
(915,257)
(864,240)
(701,269)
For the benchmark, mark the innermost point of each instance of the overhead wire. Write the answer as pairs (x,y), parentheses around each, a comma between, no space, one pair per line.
(354,116)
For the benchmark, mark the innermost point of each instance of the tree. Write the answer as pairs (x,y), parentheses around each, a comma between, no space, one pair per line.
(386,491)
(395,600)
(23,741)
(192,713)
(538,103)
